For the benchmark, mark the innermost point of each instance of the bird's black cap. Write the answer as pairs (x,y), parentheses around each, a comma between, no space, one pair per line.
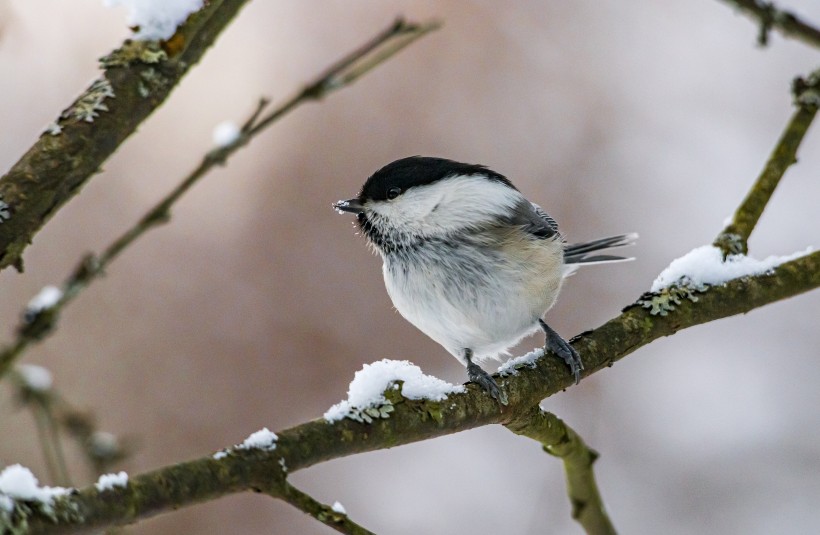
(417,171)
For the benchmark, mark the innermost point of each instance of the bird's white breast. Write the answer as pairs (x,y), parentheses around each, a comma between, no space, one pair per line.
(484,292)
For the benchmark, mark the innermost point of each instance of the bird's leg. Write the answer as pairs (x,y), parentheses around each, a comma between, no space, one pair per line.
(483,379)
(561,347)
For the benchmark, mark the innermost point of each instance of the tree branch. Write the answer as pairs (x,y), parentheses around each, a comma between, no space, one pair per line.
(734,238)
(313,442)
(558,439)
(768,17)
(136,80)
(324,514)
(338,76)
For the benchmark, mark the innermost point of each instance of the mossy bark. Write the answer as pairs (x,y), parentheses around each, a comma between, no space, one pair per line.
(60,163)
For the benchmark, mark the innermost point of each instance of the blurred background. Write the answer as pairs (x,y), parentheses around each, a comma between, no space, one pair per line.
(257,304)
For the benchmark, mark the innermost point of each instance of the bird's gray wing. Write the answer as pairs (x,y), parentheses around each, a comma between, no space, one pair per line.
(535,221)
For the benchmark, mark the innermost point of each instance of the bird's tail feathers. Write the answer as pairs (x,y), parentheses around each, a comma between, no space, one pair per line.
(579,253)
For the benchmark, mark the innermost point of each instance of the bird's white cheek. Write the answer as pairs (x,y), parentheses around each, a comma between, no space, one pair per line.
(403,214)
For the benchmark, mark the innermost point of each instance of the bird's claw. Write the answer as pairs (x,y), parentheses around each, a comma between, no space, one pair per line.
(561,347)
(486,382)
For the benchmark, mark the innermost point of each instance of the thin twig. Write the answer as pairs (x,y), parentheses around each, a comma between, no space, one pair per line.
(768,16)
(46,447)
(38,398)
(347,70)
(53,413)
(63,478)
(734,238)
(339,75)
(558,439)
(321,512)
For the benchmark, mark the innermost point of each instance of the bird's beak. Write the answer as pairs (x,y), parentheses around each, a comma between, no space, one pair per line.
(353,206)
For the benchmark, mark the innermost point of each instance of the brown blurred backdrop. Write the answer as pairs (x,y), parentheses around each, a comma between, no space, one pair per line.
(256,305)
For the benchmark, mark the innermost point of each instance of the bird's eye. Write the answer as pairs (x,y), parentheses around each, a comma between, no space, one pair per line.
(392,193)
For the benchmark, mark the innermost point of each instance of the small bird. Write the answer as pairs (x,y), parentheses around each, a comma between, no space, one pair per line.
(468,259)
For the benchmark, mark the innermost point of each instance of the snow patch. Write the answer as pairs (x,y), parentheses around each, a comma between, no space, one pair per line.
(6,503)
(368,386)
(104,444)
(225,134)
(338,508)
(36,378)
(156,19)
(17,482)
(109,481)
(511,366)
(705,265)
(45,299)
(264,439)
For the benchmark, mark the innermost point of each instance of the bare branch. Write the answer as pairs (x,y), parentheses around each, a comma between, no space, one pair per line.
(347,70)
(768,16)
(323,513)
(558,439)
(734,238)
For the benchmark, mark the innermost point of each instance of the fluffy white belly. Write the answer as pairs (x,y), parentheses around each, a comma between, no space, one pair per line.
(484,300)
